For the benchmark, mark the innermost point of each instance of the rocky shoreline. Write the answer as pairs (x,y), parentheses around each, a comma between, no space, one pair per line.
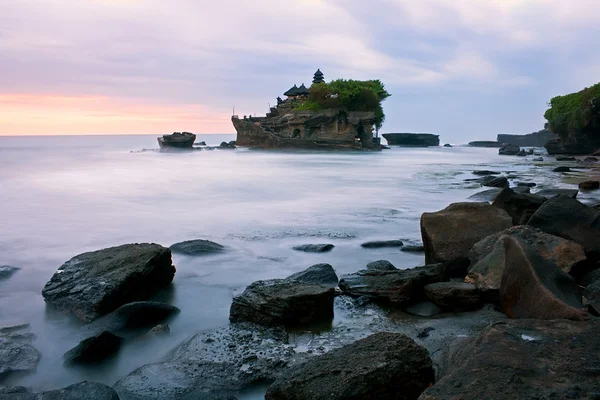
(509,282)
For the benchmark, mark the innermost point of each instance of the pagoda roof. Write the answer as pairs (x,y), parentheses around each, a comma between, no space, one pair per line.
(292,92)
(319,73)
(302,90)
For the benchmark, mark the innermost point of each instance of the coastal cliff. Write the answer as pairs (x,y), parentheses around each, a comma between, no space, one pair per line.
(412,139)
(535,139)
(330,128)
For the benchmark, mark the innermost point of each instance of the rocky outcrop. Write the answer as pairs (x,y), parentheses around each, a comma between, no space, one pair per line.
(82,390)
(318,274)
(522,359)
(487,256)
(94,349)
(533,287)
(548,193)
(17,354)
(381,265)
(456,296)
(412,139)
(535,139)
(396,287)
(494,181)
(197,247)
(577,145)
(485,143)
(520,206)
(94,284)
(326,129)
(509,150)
(381,366)
(6,271)
(283,301)
(449,234)
(178,140)
(314,248)
(382,243)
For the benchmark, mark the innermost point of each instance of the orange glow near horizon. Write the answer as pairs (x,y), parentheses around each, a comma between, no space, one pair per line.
(29,114)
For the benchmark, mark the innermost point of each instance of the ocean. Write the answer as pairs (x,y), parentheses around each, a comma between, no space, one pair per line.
(62,196)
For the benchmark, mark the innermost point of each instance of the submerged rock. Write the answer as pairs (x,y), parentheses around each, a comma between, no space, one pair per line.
(382,366)
(492,365)
(196,247)
(382,243)
(418,248)
(562,169)
(6,271)
(94,349)
(519,206)
(314,248)
(396,287)
(589,185)
(485,172)
(381,265)
(282,301)
(449,234)
(494,181)
(457,296)
(17,353)
(318,274)
(565,158)
(533,287)
(94,284)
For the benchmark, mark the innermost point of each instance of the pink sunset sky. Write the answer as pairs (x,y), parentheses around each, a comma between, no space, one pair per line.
(466,69)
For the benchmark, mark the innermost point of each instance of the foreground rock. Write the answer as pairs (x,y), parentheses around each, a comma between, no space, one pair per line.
(83,390)
(535,288)
(523,359)
(548,193)
(494,181)
(381,366)
(314,248)
(412,139)
(568,218)
(6,271)
(519,206)
(487,256)
(456,296)
(318,274)
(17,354)
(395,287)
(381,265)
(382,243)
(486,195)
(94,350)
(197,247)
(449,234)
(282,301)
(94,284)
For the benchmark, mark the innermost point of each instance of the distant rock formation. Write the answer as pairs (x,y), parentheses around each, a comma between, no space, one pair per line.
(535,139)
(181,140)
(412,139)
(485,143)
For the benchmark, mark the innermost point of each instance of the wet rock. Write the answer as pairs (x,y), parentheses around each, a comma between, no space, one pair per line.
(449,234)
(589,185)
(94,349)
(282,301)
(548,193)
(537,159)
(381,265)
(202,143)
(564,158)
(318,274)
(314,248)
(383,366)
(492,181)
(17,353)
(382,243)
(522,153)
(423,309)
(486,195)
(522,189)
(522,359)
(454,295)
(159,330)
(83,390)
(413,249)
(447,145)
(519,206)
(487,256)
(425,333)
(197,247)
(568,218)
(6,271)
(226,145)
(485,172)
(94,284)
(590,159)
(526,184)
(590,278)
(509,150)
(396,287)
(562,169)
(533,287)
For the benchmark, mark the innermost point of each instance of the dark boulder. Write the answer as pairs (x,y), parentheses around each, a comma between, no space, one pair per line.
(94,349)
(395,287)
(449,234)
(314,248)
(533,287)
(485,172)
(548,193)
(285,302)
(412,139)
(589,185)
(565,158)
(522,153)
(486,195)
(225,145)
(159,330)
(318,274)
(494,181)
(177,140)
(17,354)
(485,143)
(382,243)
(537,159)
(6,271)
(381,265)
(526,184)
(568,218)
(94,284)
(81,391)
(487,256)
(509,150)
(457,296)
(522,189)
(518,205)
(417,248)
(562,169)
(590,159)
(447,145)
(523,359)
(202,143)
(423,309)
(196,247)
(381,366)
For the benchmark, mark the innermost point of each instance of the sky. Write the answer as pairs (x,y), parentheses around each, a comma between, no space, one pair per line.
(464,69)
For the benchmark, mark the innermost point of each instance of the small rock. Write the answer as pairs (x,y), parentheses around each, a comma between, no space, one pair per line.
(589,185)
(80,391)
(562,169)
(159,330)
(485,172)
(590,159)
(17,353)
(498,182)
(413,249)
(526,184)
(509,150)
(425,333)
(382,243)
(537,159)
(6,271)
(197,247)
(319,274)
(423,309)
(381,265)
(564,158)
(454,295)
(93,350)
(548,193)
(447,145)
(522,153)
(314,248)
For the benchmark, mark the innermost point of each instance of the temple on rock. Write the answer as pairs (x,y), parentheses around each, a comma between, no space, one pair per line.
(288,125)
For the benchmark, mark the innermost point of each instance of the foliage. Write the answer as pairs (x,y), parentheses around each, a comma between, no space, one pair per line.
(574,112)
(349,94)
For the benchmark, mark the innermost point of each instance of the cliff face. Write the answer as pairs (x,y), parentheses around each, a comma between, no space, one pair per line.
(535,139)
(327,129)
(412,139)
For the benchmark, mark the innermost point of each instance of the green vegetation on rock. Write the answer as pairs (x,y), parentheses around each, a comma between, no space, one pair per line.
(575,112)
(349,94)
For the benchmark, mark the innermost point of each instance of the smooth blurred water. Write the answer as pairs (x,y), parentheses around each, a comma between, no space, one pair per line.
(62,196)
